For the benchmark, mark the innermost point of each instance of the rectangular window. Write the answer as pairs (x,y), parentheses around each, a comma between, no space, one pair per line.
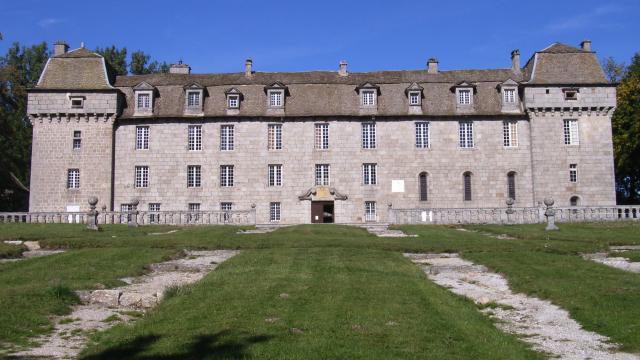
(226,175)
(464,97)
(510,134)
(422,179)
(154,207)
(573,173)
(193,99)
(193,176)
(142,177)
(368,98)
(571,132)
(142,137)
(465,131)
(274,137)
(77,140)
(194,137)
(414,98)
(77,103)
(370,211)
(511,185)
(144,101)
(194,210)
(368,135)
(275,175)
(422,135)
(274,211)
(73,179)
(322,136)
(322,174)
(233,101)
(369,174)
(509,96)
(275,99)
(570,95)
(226,206)
(467,186)
(226,137)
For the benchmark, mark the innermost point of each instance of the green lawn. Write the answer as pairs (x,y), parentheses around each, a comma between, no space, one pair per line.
(344,286)
(633,256)
(348,304)
(33,289)
(8,251)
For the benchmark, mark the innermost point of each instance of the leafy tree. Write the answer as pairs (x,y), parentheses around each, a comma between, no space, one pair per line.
(20,69)
(116,58)
(626,135)
(615,71)
(140,64)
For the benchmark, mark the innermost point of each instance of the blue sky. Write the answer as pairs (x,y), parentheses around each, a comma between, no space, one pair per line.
(216,36)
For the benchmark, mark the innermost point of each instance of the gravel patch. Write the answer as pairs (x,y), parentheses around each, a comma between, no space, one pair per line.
(104,308)
(34,250)
(618,262)
(547,327)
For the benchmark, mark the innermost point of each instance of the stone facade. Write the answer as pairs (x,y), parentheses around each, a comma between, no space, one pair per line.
(108,156)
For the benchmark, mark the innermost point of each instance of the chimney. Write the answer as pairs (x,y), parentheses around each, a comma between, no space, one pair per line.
(179,68)
(248,68)
(586,45)
(60,47)
(343,68)
(515,61)
(432,66)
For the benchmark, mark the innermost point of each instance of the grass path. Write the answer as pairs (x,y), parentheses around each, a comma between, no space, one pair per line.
(33,289)
(342,303)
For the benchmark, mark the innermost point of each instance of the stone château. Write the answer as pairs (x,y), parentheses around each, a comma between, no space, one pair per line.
(323,146)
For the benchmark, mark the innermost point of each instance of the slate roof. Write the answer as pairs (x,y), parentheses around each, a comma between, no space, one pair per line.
(561,64)
(79,69)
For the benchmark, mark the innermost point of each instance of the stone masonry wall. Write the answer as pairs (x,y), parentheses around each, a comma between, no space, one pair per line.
(396,156)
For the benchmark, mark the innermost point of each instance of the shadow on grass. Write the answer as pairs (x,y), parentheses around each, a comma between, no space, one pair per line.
(223,344)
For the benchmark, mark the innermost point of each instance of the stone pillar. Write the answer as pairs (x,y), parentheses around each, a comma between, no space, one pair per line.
(133,214)
(253,214)
(509,210)
(550,213)
(92,216)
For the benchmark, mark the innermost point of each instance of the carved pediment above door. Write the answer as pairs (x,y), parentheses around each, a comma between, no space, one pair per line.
(322,193)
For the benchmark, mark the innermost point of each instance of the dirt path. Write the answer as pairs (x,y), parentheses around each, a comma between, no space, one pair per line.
(102,309)
(547,327)
(618,262)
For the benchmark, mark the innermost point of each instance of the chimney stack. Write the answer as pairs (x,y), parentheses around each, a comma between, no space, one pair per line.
(179,68)
(586,45)
(515,61)
(343,68)
(60,47)
(248,65)
(432,66)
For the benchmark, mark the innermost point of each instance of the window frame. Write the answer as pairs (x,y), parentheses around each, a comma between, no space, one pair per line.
(571,132)
(467,185)
(321,136)
(369,174)
(422,132)
(142,137)
(274,175)
(226,175)
(194,137)
(274,137)
(506,98)
(275,211)
(76,98)
(418,97)
(364,97)
(141,177)
(465,135)
(423,186)
(195,106)
(73,179)
(76,143)
(573,173)
(460,98)
(233,98)
(511,185)
(227,137)
(149,94)
(370,211)
(322,175)
(368,131)
(510,134)
(194,176)
(271,97)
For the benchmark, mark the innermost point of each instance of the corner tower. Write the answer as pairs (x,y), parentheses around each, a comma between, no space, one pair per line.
(72,109)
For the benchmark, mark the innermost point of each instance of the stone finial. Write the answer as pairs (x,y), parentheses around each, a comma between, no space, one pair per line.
(515,61)
(92,216)
(343,68)
(93,201)
(135,202)
(586,45)
(60,47)
(432,66)
(550,214)
(510,203)
(253,206)
(248,68)
(548,202)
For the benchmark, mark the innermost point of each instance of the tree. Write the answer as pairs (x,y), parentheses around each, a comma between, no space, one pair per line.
(615,71)
(140,64)
(20,69)
(116,58)
(626,135)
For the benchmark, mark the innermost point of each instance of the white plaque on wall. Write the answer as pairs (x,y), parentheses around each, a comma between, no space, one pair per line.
(397,186)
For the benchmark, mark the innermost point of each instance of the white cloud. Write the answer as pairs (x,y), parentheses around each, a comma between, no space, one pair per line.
(48,22)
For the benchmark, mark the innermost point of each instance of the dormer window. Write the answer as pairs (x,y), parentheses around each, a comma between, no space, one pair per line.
(509,96)
(414,98)
(368,95)
(276,95)
(77,102)
(193,99)
(570,94)
(275,98)
(143,99)
(368,98)
(234,97)
(464,96)
(233,101)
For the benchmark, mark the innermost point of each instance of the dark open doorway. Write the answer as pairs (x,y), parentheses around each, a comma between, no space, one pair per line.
(322,212)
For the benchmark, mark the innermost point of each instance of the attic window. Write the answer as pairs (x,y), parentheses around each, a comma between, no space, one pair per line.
(193,99)
(276,98)
(570,94)
(509,96)
(368,97)
(414,98)
(143,101)
(233,101)
(464,96)
(77,102)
